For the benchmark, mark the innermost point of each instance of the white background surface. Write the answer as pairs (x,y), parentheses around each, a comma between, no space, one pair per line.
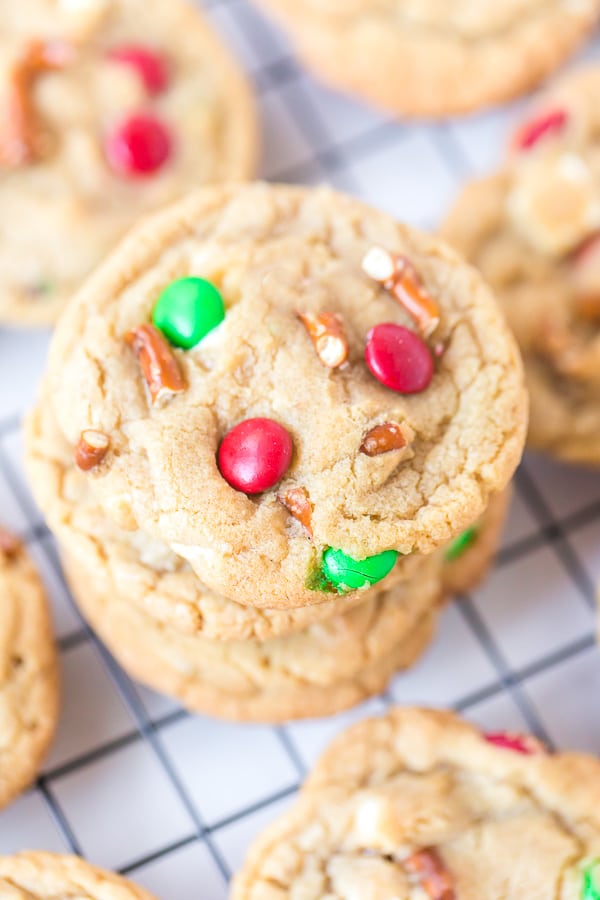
(136,784)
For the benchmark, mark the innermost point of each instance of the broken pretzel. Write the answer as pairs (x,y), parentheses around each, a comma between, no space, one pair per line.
(157,361)
(297,502)
(400,278)
(326,331)
(9,545)
(91,449)
(428,869)
(383,438)
(19,139)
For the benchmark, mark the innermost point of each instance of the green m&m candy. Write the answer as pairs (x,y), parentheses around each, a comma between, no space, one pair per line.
(591,881)
(348,574)
(461,544)
(187,310)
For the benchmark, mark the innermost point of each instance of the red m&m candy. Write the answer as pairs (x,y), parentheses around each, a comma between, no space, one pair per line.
(140,145)
(525,744)
(150,65)
(255,455)
(398,358)
(544,125)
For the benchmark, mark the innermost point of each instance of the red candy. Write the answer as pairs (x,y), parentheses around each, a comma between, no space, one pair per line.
(150,65)
(588,251)
(519,743)
(255,455)
(139,146)
(398,358)
(548,123)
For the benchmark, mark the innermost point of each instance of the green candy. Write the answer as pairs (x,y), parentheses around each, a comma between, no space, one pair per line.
(42,288)
(591,881)
(461,543)
(187,310)
(316,581)
(348,574)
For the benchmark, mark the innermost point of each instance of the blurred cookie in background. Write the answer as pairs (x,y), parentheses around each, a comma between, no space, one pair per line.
(29,693)
(421,804)
(47,876)
(533,230)
(108,109)
(431,57)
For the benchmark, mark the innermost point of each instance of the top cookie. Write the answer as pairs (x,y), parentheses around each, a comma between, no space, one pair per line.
(420,804)
(434,57)
(534,232)
(108,109)
(287,264)
(51,876)
(28,671)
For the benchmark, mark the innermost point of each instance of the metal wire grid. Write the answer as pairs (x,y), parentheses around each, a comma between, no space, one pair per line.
(333,159)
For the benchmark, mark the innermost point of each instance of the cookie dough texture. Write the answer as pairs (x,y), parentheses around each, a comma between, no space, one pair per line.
(146,571)
(173,633)
(503,824)
(150,576)
(50,876)
(274,250)
(64,212)
(319,671)
(29,693)
(434,57)
(523,228)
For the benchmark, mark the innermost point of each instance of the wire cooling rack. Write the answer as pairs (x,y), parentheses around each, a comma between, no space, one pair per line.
(136,784)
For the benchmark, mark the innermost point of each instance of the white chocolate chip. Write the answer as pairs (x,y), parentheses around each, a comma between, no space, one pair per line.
(554,204)
(375,824)
(379,264)
(119,89)
(86,163)
(85,16)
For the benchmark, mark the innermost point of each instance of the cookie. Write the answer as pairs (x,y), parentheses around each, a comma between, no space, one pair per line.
(420,804)
(319,671)
(533,230)
(28,671)
(236,385)
(150,576)
(49,876)
(145,570)
(467,559)
(108,109)
(431,57)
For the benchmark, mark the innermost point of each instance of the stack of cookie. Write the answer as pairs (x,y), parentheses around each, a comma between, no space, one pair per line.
(266,423)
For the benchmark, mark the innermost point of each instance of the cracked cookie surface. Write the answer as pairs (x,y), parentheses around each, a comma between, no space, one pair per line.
(51,876)
(273,251)
(419,803)
(28,671)
(146,570)
(67,132)
(533,230)
(431,57)
(145,573)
